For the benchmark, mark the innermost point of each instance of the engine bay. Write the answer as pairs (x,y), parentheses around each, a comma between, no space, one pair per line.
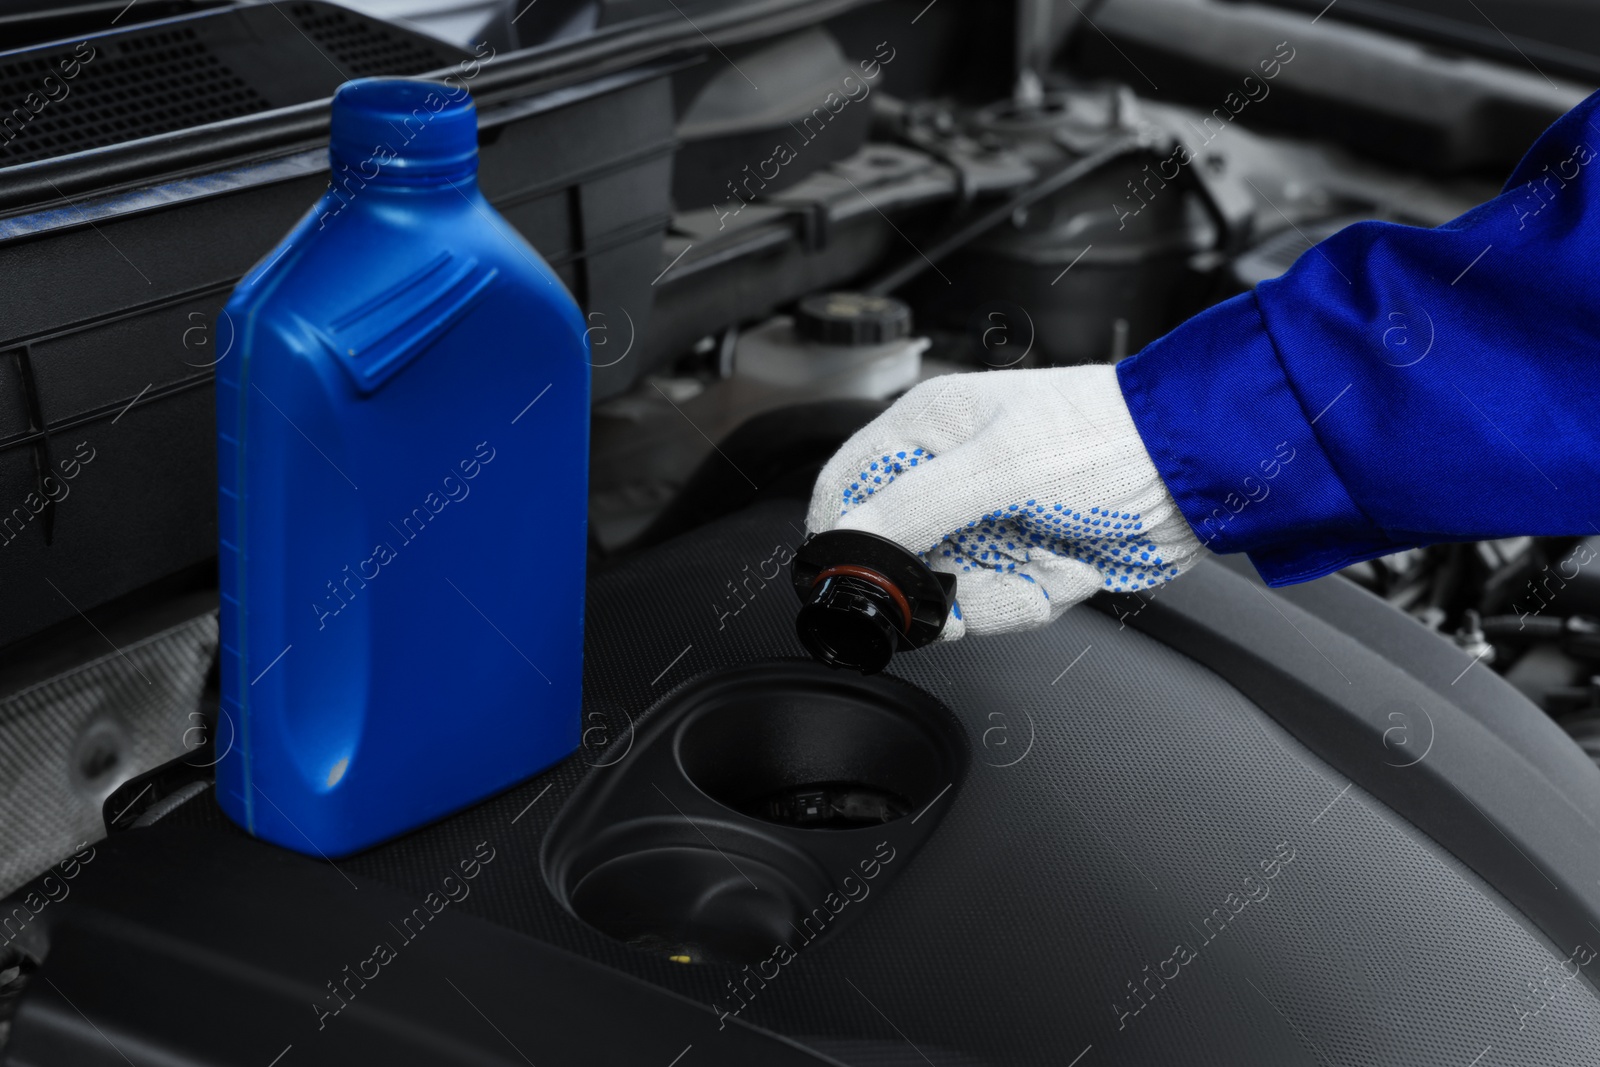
(1348,821)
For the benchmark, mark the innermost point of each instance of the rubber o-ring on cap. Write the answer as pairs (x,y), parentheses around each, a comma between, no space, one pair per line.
(863,598)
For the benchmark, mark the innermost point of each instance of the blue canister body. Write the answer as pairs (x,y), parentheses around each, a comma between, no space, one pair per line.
(402,451)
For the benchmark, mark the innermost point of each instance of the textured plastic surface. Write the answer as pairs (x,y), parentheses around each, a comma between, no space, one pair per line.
(402,455)
(1120,793)
(441,988)
(70,738)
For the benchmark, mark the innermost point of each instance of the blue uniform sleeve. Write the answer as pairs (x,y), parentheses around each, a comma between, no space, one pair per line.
(1398,386)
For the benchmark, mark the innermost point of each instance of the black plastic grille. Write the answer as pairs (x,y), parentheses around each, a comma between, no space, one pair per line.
(361,49)
(147,80)
(130,88)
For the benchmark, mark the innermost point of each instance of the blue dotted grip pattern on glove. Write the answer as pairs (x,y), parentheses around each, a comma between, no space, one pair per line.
(880,473)
(1039,492)
(1110,541)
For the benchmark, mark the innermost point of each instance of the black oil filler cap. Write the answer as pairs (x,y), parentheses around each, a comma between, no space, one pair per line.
(863,598)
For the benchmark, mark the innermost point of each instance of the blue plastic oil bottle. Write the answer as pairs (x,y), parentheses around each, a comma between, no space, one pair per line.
(402,451)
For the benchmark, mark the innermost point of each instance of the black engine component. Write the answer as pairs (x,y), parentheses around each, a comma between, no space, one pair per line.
(1129,266)
(744,800)
(831,804)
(1306,846)
(1414,104)
(776,454)
(863,598)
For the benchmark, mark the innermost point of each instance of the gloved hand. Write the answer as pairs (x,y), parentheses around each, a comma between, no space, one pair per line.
(1031,486)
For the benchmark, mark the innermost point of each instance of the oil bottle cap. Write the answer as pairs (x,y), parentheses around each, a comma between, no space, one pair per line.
(402,128)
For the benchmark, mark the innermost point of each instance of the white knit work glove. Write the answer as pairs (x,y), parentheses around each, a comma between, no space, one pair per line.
(1031,486)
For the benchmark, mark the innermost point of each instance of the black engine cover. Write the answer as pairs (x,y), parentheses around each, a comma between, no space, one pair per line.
(1141,865)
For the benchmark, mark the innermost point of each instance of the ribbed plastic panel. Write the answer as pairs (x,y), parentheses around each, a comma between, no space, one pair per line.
(1122,804)
(68,741)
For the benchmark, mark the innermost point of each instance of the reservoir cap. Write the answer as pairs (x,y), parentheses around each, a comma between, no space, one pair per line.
(403,127)
(852,319)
